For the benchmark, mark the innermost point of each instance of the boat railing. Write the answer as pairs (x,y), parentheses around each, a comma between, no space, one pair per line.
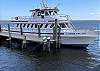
(68,19)
(64,31)
(20,18)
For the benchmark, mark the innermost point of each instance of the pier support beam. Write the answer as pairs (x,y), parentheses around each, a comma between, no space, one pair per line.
(24,42)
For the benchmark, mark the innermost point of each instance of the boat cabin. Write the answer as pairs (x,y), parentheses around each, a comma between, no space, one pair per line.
(44,12)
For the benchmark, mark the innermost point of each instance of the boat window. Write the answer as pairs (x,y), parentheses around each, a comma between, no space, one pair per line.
(32,25)
(46,13)
(67,25)
(42,16)
(24,25)
(50,12)
(42,12)
(55,12)
(62,25)
(36,25)
(52,25)
(41,25)
(33,13)
(17,25)
(16,18)
(58,26)
(46,25)
(28,25)
(39,14)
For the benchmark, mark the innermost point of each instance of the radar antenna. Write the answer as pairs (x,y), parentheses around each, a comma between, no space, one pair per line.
(44,3)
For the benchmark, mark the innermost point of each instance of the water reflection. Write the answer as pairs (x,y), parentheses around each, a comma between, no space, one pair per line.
(63,60)
(60,60)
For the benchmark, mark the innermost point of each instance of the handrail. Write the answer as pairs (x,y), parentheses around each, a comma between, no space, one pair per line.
(70,20)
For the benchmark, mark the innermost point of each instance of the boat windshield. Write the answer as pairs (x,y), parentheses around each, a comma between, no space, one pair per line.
(46,13)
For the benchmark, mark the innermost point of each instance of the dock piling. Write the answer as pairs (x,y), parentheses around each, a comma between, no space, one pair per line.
(9,35)
(0,27)
(44,43)
(48,43)
(59,37)
(56,34)
(24,42)
(55,30)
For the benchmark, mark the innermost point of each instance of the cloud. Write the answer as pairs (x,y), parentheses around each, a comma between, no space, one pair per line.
(92,13)
(95,15)
(98,13)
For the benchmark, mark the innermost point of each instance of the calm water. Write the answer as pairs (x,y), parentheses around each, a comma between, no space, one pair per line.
(61,60)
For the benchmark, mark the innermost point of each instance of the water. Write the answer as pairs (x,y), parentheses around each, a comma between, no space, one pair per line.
(61,60)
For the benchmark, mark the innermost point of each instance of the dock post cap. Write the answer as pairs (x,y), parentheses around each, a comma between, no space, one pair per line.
(48,38)
(44,38)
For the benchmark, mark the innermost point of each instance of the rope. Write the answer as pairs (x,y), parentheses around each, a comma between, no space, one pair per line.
(37,46)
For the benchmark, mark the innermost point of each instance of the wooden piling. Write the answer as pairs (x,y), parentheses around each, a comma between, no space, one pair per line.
(55,30)
(0,27)
(24,42)
(44,43)
(48,44)
(9,35)
(56,37)
(59,37)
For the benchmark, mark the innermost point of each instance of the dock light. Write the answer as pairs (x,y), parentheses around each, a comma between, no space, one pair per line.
(44,40)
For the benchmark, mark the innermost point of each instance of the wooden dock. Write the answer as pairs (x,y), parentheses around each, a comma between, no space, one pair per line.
(46,41)
(29,37)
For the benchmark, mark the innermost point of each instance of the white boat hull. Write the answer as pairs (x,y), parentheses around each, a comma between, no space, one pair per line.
(78,40)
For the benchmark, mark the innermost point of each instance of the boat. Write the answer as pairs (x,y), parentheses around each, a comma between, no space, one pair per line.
(45,17)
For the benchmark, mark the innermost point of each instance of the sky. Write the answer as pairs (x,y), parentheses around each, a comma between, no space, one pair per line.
(77,9)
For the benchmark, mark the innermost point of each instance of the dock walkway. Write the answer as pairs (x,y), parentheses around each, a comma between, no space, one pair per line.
(29,37)
(46,40)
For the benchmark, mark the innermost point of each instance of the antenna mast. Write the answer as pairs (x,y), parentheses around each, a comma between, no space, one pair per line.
(44,3)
